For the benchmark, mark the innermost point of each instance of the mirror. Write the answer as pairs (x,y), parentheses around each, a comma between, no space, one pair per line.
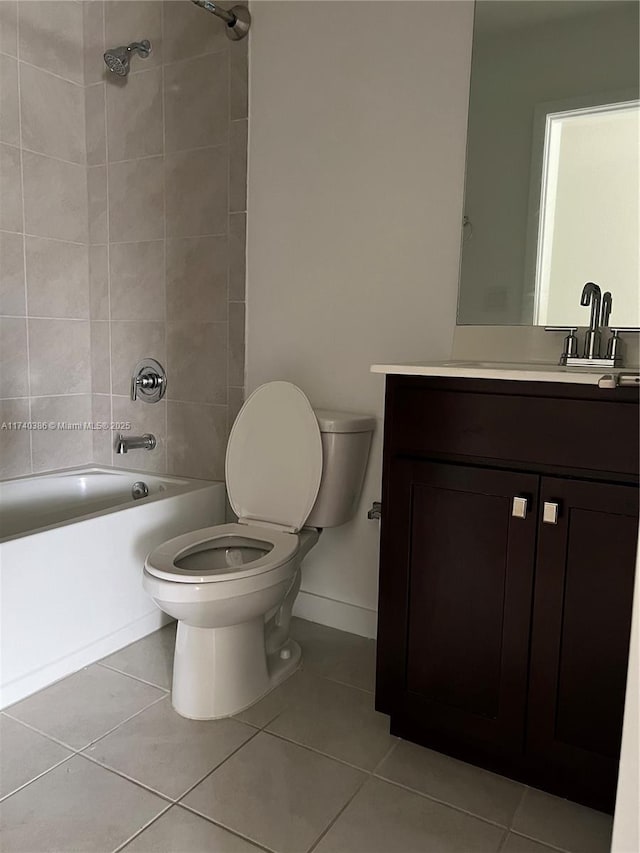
(551,193)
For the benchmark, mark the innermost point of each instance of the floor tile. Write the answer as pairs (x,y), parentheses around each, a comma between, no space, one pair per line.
(167,752)
(276,793)
(562,823)
(337,720)
(77,807)
(518,844)
(382,818)
(85,705)
(275,702)
(181,831)
(463,785)
(336,654)
(150,658)
(25,754)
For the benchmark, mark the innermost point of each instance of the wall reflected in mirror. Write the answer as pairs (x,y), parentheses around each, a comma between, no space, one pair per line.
(551,195)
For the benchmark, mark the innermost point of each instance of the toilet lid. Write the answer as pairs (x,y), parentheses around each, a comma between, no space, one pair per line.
(274,458)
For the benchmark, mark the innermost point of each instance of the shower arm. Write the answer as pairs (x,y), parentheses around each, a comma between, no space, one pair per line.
(228,17)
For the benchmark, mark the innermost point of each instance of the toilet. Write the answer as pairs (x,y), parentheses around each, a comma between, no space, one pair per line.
(290,471)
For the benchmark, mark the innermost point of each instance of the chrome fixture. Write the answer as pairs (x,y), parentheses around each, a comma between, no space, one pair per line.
(376,511)
(592,295)
(139,490)
(519,507)
(149,381)
(135,442)
(237,19)
(117,59)
(550,512)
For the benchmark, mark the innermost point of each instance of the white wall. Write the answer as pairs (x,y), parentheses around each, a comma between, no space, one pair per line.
(356,165)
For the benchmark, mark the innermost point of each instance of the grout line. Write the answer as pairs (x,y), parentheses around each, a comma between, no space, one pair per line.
(39,731)
(167,690)
(121,773)
(35,778)
(40,68)
(314,749)
(110,454)
(226,828)
(165,449)
(142,829)
(56,159)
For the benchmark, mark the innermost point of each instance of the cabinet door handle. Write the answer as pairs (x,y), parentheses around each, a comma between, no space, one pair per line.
(550,512)
(519,507)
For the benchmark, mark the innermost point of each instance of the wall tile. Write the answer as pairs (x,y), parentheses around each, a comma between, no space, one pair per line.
(95,124)
(134,115)
(236,399)
(236,343)
(196,102)
(239,82)
(10,189)
(237,256)
(100,359)
(12,295)
(57,278)
(55,197)
(98,283)
(136,200)
(52,115)
(9,27)
(59,357)
(238,166)
(9,113)
(197,362)
(197,279)
(196,440)
(14,380)
(196,187)
(102,438)
(137,281)
(15,444)
(135,20)
(97,203)
(130,343)
(187,33)
(143,417)
(61,448)
(93,41)
(50,33)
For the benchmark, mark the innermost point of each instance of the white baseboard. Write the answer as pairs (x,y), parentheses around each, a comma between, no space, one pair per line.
(336,614)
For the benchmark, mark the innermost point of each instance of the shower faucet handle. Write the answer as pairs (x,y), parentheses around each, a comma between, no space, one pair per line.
(149,381)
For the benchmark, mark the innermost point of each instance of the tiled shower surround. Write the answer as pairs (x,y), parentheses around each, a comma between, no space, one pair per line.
(122,231)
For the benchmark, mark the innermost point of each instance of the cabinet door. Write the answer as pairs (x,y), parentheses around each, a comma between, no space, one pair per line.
(580,641)
(470,584)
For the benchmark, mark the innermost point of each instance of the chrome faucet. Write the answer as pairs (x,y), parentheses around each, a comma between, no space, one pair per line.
(135,442)
(591,294)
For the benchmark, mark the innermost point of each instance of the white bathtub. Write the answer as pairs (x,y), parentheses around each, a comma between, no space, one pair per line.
(72,548)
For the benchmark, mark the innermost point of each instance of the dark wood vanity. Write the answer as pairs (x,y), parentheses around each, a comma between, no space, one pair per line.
(509,532)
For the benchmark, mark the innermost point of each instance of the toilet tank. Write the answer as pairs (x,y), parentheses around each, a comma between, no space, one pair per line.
(346,439)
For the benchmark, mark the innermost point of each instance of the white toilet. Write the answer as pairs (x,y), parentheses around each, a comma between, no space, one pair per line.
(290,471)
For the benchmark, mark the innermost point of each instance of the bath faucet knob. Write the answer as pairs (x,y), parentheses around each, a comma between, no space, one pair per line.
(149,381)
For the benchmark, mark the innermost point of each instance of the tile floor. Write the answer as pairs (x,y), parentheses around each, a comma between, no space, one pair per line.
(101,762)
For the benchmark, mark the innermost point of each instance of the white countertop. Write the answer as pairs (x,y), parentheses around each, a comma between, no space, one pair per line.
(534,372)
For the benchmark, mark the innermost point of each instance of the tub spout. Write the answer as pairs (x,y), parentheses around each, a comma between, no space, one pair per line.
(135,442)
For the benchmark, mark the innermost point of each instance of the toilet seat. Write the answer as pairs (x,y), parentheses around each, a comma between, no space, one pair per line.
(163,561)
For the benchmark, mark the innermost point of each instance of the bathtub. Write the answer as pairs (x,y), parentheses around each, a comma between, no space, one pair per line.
(72,548)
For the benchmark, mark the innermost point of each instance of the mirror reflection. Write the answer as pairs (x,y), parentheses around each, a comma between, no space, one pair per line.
(551,196)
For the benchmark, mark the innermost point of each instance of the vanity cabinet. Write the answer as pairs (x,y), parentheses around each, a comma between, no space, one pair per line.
(509,532)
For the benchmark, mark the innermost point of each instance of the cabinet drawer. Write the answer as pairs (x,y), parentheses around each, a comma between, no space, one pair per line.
(576,433)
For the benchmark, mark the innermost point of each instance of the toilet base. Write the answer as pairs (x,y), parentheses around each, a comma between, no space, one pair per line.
(219,672)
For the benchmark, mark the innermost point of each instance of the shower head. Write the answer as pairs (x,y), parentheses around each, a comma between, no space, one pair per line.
(117,59)
(237,18)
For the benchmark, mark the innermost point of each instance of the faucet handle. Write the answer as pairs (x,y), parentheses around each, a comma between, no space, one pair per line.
(607,305)
(570,349)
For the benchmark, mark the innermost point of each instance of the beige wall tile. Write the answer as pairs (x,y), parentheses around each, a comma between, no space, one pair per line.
(100,358)
(136,200)
(14,380)
(134,115)
(97,203)
(197,362)
(55,198)
(9,113)
(95,124)
(98,283)
(135,20)
(12,295)
(52,112)
(50,34)
(9,27)
(15,444)
(59,357)
(130,343)
(238,166)
(102,438)
(143,417)
(137,281)
(187,34)
(236,399)
(197,279)
(93,41)
(57,278)
(196,440)
(239,80)
(10,189)
(237,256)
(196,102)
(196,187)
(236,343)
(61,448)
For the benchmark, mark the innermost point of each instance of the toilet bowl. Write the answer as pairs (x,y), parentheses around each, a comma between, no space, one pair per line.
(232,586)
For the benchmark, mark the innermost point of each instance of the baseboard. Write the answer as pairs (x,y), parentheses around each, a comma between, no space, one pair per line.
(336,614)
